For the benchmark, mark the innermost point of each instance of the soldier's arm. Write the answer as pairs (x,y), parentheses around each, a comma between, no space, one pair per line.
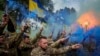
(60,50)
(3,24)
(11,38)
(11,29)
(51,35)
(64,49)
(18,39)
(35,52)
(24,46)
(2,27)
(27,47)
(57,43)
(61,39)
(37,36)
(15,38)
(62,36)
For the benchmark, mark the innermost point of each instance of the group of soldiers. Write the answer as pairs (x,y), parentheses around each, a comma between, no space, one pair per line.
(20,44)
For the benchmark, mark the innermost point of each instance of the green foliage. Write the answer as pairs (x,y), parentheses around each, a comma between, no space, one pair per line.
(47,4)
(2,4)
(1,12)
(24,2)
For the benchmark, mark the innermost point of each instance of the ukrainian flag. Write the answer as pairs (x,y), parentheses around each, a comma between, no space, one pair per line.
(33,7)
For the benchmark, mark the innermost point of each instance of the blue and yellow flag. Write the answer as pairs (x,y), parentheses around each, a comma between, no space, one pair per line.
(33,7)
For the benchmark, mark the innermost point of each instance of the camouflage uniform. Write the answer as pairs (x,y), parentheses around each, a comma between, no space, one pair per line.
(55,44)
(3,46)
(50,40)
(49,51)
(25,48)
(2,27)
(58,45)
(13,43)
(3,50)
(72,52)
(13,40)
(51,43)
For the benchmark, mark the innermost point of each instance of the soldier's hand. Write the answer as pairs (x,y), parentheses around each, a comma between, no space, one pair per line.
(41,29)
(24,28)
(76,46)
(62,39)
(5,19)
(64,32)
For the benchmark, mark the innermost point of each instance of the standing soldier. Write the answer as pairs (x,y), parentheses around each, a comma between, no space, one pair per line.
(3,23)
(44,50)
(3,46)
(14,38)
(26,46)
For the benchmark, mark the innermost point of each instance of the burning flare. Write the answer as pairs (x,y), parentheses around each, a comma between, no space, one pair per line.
(88,20)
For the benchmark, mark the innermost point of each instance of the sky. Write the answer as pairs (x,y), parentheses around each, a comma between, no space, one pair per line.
(60,4)
(79,5)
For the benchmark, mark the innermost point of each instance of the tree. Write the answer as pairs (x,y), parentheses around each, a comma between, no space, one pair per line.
(48,5)
(2,4)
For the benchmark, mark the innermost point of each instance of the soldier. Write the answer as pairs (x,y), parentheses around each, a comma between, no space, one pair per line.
(44,50)
(26,46)
(3,23)
(14,39)
(3,46)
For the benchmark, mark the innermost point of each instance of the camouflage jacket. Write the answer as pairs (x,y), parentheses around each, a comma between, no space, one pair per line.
(3,50)
(25,48)
(49,51)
